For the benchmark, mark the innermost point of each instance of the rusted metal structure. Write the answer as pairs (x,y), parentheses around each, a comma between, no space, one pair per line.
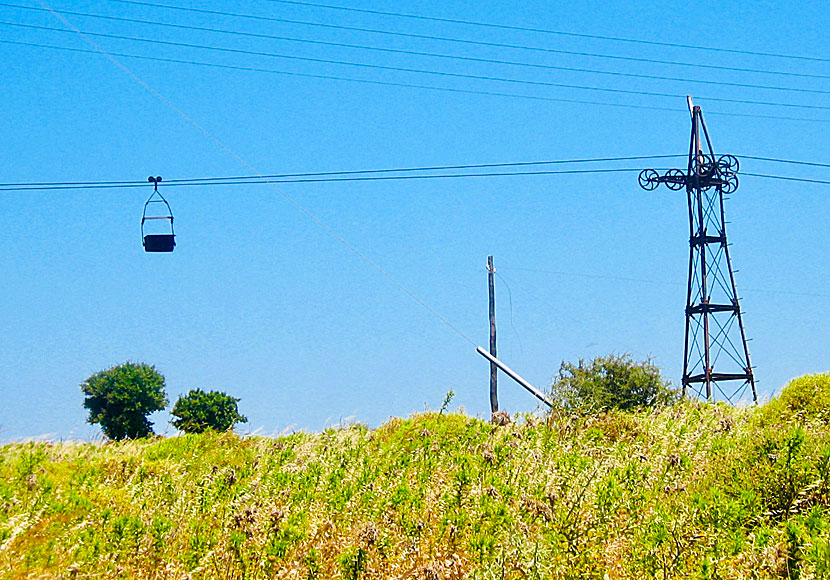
(716,356)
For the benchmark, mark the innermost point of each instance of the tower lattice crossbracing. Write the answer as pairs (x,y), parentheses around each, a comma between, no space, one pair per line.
(716,358)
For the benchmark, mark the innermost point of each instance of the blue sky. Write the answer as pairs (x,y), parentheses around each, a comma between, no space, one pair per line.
(260,301)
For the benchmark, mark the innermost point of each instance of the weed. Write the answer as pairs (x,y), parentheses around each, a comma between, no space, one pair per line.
(689,491)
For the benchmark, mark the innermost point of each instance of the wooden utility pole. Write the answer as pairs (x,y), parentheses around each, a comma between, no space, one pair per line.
(494,394)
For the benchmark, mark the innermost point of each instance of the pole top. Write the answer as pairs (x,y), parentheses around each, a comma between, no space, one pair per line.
(692,107)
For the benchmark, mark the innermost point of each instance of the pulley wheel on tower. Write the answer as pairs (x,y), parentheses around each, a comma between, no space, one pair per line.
(730,183)
(649,179)
(729,163)
(157,222)
(675,179)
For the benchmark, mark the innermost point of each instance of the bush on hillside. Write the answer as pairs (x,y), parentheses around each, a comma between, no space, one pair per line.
(610,382)
(120,398)
(199,411)
(806,397)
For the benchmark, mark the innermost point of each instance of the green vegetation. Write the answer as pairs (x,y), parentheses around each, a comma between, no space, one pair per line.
(805,398)
(689,490)
(199,411)
(610,382)
(121,397)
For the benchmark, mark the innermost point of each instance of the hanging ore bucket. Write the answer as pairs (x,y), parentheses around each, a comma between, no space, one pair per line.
(157,235)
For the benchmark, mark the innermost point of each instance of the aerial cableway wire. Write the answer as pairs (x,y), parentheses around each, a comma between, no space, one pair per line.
(262,180)
(790,161)
(594,275)
(538,66)
(242,179)
(445,74)
(410,85)
(368,171)
(265,180)
(472,42)
(550,31)
(787,178)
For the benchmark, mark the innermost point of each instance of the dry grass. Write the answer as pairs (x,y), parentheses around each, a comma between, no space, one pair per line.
(689,491)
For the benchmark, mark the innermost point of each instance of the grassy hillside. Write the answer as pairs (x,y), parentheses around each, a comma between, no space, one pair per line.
(690,491)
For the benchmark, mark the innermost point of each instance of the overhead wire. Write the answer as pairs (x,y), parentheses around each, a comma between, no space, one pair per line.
(790,161)
(332,175)
(651,281)
(352,174)
(539,66)
(453,90)
(465,166)
(369,171)
(265,180)
(413,70)
(788,178)
(471,42)
(262,179)
(510,303)
(391,83)
(552,31)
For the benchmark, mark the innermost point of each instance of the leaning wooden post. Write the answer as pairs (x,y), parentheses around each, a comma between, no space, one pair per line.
(494,394)
(512,374)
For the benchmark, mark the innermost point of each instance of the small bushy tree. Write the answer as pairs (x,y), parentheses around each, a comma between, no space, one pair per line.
(120,398)
(199,411)
(610,382)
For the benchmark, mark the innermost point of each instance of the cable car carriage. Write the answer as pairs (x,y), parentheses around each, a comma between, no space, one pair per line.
(157,235)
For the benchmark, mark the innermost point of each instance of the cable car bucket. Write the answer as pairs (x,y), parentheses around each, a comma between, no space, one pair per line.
(161,238)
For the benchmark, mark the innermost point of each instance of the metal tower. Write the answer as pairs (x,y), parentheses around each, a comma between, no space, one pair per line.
(715,334)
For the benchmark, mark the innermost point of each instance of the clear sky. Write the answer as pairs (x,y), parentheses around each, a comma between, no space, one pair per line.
(261,301)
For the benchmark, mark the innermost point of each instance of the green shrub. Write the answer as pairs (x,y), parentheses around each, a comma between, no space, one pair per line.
(806,397)
(610,382)
(121,397)
(199,411)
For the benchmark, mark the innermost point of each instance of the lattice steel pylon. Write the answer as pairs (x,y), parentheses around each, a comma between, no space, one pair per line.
(715,334)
